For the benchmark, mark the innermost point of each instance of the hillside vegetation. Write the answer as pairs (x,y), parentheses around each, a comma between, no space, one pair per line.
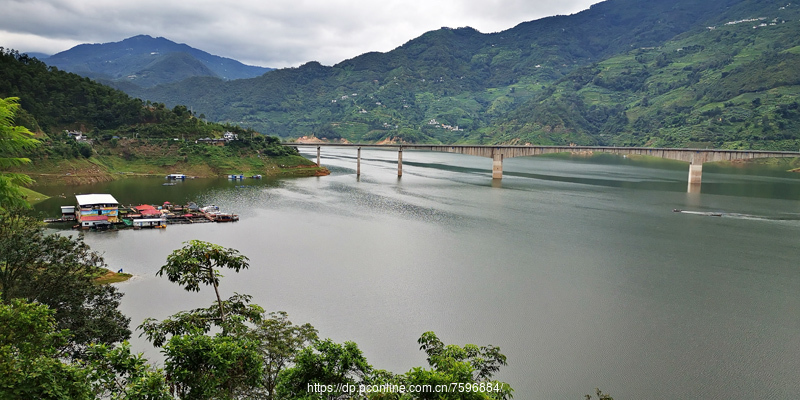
(624,72)
(122,134)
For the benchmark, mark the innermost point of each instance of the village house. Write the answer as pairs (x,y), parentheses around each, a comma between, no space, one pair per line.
(77,135)
(228,136)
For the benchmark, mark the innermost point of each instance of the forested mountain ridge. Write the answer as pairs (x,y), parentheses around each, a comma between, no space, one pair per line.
(145,61)
(112,132)
(624,72)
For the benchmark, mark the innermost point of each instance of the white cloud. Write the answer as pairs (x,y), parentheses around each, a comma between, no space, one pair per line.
(275,33)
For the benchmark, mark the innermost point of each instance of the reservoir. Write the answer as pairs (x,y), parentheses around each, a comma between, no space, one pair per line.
(576,267)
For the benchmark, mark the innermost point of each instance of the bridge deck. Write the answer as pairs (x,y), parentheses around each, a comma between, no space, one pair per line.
(693,156)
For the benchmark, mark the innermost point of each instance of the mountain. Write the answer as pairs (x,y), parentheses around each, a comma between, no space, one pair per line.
(40,56)
(145,61)
(624,72)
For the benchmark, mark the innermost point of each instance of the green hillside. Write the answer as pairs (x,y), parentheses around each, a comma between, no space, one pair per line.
(626,72)
(120,134)
(726,86)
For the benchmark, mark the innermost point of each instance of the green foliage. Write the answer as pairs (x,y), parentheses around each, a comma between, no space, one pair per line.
(118,374)
(201,320)
(197,262)
(59,271)
(219,367)
(30,348)
(226,365)
(60,100)
(33,364)
(279,341)
(470,365)
(328,367)
(14,141)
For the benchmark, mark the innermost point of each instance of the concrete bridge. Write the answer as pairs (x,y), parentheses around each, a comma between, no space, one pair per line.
(695,157)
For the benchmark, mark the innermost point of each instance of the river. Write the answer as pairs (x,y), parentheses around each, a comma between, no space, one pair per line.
(577,268)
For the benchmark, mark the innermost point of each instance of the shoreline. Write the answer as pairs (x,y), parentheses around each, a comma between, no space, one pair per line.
(112,277)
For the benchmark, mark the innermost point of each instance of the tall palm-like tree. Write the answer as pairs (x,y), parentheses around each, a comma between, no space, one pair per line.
(14,141)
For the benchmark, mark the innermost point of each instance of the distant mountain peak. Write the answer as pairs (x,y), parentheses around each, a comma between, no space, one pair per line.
(117,61)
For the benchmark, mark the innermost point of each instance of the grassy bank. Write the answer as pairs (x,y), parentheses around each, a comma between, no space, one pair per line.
(33,197)
(112,277)
(131,158)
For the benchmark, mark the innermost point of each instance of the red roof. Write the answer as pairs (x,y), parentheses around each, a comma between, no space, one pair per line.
(144,207)
(94,218)
(150,212)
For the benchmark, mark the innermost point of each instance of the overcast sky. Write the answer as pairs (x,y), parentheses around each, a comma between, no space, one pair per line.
(268,33)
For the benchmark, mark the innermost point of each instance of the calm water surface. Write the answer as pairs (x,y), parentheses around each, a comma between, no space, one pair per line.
(577,268)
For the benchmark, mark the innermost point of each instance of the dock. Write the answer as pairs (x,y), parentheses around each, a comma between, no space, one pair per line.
(144,216)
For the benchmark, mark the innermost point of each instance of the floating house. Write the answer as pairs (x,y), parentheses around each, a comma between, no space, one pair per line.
(68,213)
(176,176)
(149,223)
(96,210)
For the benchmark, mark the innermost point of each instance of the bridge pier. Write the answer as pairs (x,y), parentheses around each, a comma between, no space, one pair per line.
(497,166)
(695,173)
(358,162)
(695,176)
(318,164)
(400,162)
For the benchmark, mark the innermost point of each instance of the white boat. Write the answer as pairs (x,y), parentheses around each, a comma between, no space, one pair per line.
(210,209)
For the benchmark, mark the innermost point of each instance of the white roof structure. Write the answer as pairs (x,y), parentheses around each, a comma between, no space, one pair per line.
(95,199)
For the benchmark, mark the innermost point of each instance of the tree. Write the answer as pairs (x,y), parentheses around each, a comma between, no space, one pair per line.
(14,140)
(326,370)
(18,251)
(59,271)
(34,362)
(219,367)
(30,351)
(470,366)
(118,374)
(195,264)
(191,266)
(227,365)
(279,342)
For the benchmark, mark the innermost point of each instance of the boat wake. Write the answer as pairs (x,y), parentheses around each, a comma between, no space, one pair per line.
(793,217)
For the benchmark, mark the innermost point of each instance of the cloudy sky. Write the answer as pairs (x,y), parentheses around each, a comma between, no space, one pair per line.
(269,33)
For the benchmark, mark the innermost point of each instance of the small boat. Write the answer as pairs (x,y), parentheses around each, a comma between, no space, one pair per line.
(256,177)
(168,184)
